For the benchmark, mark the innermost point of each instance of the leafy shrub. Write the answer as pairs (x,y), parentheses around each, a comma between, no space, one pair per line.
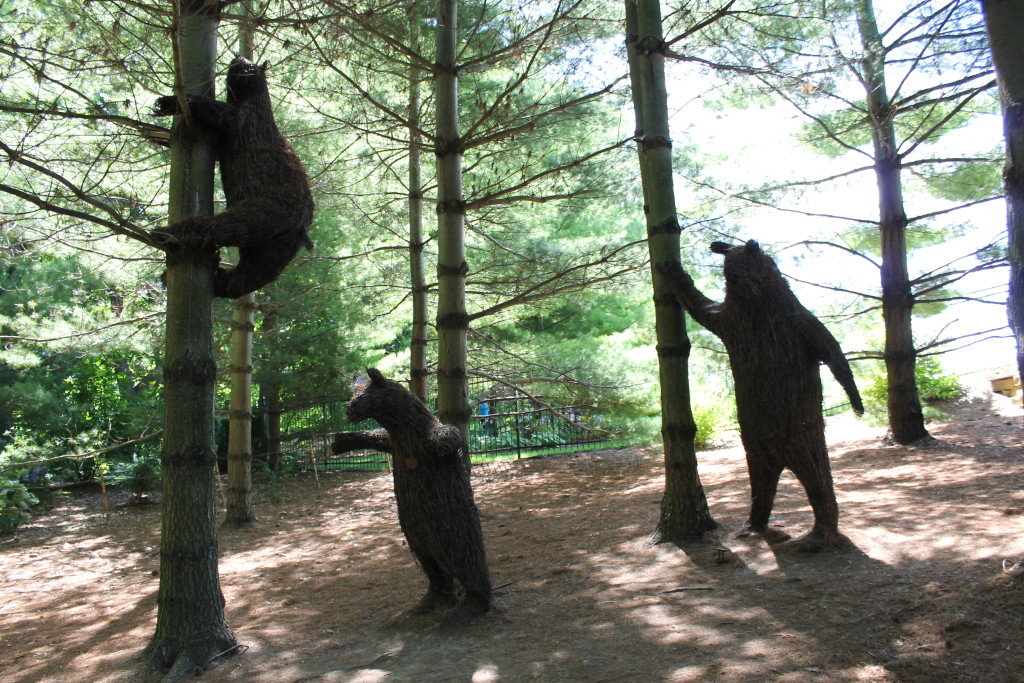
(16,503)
(140,475)
(713,415)
(28,445)
(933,384)
(19,466)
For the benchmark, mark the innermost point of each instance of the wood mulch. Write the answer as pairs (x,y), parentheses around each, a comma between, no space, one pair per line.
(321,590)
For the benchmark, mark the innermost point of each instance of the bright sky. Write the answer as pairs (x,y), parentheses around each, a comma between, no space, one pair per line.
(756,145)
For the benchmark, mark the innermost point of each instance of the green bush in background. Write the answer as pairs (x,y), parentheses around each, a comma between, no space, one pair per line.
(713,416)
(16,503)
(933,384)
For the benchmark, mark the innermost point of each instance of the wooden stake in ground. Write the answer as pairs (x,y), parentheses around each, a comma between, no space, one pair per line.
(312,458)
(220,484)
(103,490)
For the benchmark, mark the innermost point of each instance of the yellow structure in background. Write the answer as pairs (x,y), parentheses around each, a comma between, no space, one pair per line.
(1007,386)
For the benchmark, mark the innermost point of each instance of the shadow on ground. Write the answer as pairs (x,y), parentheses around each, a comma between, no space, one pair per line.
(321,590)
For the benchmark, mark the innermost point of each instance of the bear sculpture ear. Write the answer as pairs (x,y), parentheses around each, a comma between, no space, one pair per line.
(752,246)
(375,375)
(264,66)
(720,247)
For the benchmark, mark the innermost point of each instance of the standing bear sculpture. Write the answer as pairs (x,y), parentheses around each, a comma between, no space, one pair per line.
(775,347)
(269,203)
(436,509)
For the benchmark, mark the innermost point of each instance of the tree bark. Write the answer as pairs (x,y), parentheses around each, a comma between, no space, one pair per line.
(191,628)
(272,392)
(270,399)
(906,418)
(452,321)
(418,345)
(1004,21)
(239,497)
(684,509)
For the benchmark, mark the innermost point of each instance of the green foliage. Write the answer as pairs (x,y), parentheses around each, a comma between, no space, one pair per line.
(713,415)
(31,403)
(964,182)
(26,447)
(866,238)
(833,134)
(933,384)
(17,469)
(141,474)
(15,503)
(62,390)
(345,305)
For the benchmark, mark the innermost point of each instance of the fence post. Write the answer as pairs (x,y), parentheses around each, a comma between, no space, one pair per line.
(515,407)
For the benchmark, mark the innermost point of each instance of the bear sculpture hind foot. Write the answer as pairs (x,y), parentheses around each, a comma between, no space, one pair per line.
(166,106)
(185,233)
(769,534)
(816,541)
(432,601)
(470,610)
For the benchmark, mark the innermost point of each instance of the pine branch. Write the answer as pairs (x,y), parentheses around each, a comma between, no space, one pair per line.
(538,291)
(119,225)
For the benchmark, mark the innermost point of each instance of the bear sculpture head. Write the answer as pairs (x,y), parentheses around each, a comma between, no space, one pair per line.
(750,274)
(246,79)
(381,399)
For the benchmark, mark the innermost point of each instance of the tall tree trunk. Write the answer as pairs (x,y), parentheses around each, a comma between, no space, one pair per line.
(1004,20)
(684,508)
(452,321)
(191,628)
(270,395)
(418,346)
(906,419)
(239,499)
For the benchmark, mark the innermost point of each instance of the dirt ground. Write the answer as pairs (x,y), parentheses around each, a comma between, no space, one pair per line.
(321,590)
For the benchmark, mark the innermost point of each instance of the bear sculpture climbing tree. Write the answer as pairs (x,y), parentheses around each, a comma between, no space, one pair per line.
(432,490)
(775,346)
(269,204)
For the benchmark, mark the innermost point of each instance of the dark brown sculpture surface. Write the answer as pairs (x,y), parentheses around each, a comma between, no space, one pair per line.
(775,346)
(432,490)
(269,204)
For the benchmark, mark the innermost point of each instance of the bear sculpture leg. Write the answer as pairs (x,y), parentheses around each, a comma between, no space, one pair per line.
(440,585)
(764,482)
(815,475)
(476,582)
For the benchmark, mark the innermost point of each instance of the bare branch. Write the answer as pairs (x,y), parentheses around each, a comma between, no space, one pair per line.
(81,456)
(87,333)
(120,225)
(538,290)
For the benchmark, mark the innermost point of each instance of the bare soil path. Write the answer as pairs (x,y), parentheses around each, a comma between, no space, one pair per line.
(321,590)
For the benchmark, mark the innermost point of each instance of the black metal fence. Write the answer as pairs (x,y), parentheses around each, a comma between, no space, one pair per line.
(516,425)
(306,435)
(506,424)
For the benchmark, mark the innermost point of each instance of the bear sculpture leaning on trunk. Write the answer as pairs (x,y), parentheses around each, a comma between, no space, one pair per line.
(775,346)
